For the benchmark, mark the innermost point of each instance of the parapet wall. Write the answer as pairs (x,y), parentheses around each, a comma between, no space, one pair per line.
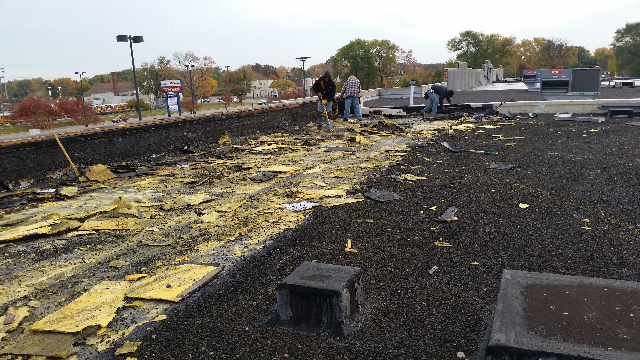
(38,159)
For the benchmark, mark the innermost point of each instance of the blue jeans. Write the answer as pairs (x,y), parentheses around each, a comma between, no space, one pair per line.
(356,107)
(321,119)
(433,104)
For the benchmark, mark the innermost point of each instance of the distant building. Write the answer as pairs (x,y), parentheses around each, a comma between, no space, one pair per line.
(115,92)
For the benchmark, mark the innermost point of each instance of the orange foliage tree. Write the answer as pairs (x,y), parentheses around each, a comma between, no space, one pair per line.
(36,112)
(73,109)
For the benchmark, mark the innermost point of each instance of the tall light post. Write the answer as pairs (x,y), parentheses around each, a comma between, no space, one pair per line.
(1,98)
(131,40)
(225,103)
(304,90)
(84,109)
(59,91)
(190,68)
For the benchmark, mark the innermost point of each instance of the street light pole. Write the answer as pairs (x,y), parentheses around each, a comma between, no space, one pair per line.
(304,90)
(193,91)
(131,40)
(225,103)
(1,98)
(84,109)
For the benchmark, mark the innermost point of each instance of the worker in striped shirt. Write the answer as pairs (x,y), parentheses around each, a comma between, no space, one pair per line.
(351,95)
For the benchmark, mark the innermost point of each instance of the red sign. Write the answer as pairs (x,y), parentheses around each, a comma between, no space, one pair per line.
(168,89)
(555,71)
(529,71)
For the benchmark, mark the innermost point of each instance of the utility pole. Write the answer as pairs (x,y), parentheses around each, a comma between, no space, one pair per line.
(225,103)
(304,90)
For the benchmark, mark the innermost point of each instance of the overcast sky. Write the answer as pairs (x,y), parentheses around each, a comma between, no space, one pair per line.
(53,39)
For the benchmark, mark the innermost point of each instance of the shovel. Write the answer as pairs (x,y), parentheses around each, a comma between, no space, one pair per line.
(325,114)
(453,148)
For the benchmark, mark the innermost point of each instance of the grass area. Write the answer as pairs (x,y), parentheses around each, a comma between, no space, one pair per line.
(18,128)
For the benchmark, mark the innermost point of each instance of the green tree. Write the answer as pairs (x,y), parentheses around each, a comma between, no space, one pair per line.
(240,80)
(384,57)
(475,47)
(626,46)
(356,58)
(22,88)
(584,59)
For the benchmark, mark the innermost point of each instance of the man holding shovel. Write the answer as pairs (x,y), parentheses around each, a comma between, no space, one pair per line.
(326,90)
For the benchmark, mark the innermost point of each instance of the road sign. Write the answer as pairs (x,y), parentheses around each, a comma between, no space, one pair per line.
(171,86)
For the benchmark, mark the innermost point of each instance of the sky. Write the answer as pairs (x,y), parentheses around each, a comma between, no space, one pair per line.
(54,39)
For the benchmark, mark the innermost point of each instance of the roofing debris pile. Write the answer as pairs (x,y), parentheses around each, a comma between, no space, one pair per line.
(85,263)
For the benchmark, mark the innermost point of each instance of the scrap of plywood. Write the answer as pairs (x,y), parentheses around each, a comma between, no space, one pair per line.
(128,347)
(99,173)
(228,207)
(97,306)
(54,345)
(53,226)
(68,191)
(280,169)
(86,214)
(114,224)
(12,319)
(411,177)
(317,194)
(173,285)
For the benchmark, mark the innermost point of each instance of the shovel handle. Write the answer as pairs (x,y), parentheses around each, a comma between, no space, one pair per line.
(483,152)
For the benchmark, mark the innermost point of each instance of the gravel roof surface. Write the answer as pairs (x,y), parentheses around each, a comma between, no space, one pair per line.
(579,180)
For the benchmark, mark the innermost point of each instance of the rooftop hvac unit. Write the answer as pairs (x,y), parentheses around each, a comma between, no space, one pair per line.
(531,79)
(570,84)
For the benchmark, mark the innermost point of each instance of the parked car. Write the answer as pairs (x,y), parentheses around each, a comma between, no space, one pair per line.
(262,102)
(206,100)
(220,100)
(235,99)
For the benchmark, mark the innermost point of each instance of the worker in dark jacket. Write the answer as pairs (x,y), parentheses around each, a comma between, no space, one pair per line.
(442,93)
(326,90)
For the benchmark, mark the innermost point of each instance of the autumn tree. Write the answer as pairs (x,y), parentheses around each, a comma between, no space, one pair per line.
(66,86)
(192,69)
(150,74)
(556,54)
(263,71)
(282,84)
(36,112)
(626,46)
(73,108)
(604,55)
(81,87)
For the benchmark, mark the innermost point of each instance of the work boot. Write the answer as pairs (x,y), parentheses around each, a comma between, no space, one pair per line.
(319,127)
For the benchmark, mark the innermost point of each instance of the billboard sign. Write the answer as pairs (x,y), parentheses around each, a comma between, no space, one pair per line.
(171,86)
